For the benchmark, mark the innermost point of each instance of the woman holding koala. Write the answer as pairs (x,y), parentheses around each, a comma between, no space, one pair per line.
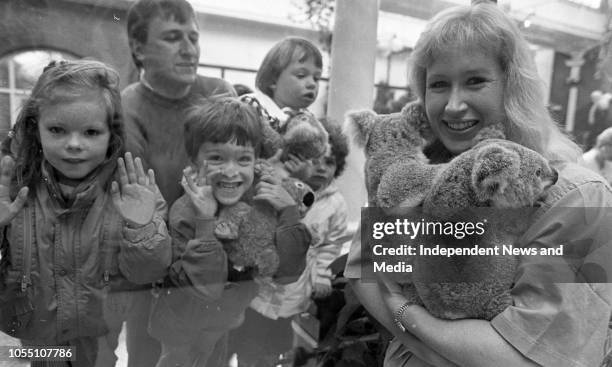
(472,68)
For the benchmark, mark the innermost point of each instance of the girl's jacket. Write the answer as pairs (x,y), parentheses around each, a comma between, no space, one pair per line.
(78,249)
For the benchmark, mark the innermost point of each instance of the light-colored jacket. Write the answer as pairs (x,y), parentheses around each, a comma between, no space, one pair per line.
(327,222)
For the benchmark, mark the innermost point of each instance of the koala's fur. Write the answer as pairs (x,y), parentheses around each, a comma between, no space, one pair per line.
(495,173)
(301,135)
(248,230)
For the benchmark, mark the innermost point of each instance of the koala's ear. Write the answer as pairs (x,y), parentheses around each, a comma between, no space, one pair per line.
(358,125)
(415,115)
(494,131)
(493,167)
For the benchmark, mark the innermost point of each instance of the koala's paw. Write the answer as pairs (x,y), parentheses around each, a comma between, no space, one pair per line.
(494,131)
(226,230)
(409,291)
(496,305)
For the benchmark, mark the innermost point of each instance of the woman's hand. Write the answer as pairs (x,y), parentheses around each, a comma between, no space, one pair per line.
(198,189)
(135,194)
(270,190)
(8,209)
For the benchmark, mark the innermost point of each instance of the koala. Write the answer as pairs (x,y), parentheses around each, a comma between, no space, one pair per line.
(389,141)
(495,173)
(248,231)
(304,136)
(498,174)
(301,135)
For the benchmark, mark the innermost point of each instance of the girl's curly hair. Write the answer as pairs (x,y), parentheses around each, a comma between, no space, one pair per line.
(338,142)
(70,78)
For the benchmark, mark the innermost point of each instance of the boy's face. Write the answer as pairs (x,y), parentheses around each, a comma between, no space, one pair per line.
(323,173)
(231,167)
(171,53)
(297,85)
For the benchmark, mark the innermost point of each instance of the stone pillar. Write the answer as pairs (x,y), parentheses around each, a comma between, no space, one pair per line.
(351,85)
(575,63)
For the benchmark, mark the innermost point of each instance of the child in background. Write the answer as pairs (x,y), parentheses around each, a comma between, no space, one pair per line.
(274,306)
(287,82)
(599,158)
(86,229)
(205,296)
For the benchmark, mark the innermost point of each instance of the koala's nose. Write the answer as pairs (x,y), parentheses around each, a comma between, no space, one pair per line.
(308,199)
(551,179)
(554,176)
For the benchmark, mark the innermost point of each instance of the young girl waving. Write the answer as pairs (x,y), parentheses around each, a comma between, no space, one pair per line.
(71,230)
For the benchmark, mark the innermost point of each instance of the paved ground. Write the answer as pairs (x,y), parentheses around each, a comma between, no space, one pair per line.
(6,340)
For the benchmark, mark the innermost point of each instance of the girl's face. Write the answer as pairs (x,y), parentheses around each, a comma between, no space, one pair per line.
(297,85)
(233,167)
(74,134)
(324,169)
(464,93)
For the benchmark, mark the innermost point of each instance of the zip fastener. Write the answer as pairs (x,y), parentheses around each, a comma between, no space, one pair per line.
(27,248)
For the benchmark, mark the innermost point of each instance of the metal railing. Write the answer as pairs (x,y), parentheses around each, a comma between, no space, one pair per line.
(224,68)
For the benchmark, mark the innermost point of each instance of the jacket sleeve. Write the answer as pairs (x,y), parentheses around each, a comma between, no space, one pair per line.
(562,304)
(292,239)
(199,263)
(146,253)
(330,249)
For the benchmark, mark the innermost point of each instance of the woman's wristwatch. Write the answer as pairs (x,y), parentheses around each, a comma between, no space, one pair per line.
(398,316)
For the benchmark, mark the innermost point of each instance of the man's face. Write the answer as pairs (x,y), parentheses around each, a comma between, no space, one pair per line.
(170,54)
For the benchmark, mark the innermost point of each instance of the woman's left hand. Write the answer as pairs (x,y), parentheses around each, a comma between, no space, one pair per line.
(269,189)
(134,196)
(392,295)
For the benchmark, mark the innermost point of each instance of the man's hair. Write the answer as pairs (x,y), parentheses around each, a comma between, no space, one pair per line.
(484,25)
(222,120)
(280,56)
(142,12)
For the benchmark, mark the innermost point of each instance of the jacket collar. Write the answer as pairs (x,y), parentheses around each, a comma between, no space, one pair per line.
(84,193)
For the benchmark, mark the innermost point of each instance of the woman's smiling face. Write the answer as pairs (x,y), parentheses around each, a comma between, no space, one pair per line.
(464,92)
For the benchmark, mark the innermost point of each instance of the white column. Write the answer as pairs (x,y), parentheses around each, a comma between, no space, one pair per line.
(351,85)
(575,63)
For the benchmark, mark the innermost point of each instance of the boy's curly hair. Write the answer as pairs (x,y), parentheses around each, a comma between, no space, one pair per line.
(338,142)
(222,120)
(61,81)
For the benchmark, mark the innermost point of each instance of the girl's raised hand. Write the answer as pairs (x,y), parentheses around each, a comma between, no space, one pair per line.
(135,194)
(269,189)
(8,209)
(299,168)
(198,189)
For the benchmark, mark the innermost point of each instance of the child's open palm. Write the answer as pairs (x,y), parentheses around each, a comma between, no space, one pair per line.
(198,189)
(135,194)
(8,208)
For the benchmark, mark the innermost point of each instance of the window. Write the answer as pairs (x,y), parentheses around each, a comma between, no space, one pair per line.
(18,74)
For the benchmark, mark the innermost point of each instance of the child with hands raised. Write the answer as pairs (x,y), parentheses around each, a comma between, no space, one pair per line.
(205,295)
(71,232)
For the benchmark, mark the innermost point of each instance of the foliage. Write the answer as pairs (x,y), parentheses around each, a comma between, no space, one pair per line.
(320,14)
